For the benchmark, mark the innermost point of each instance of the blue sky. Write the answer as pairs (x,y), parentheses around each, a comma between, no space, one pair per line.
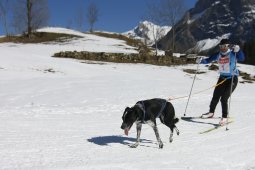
(115,15)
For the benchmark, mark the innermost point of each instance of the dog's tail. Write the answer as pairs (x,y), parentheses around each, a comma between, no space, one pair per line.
(176,119)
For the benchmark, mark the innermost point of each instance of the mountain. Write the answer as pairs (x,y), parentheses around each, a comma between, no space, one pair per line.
(145,30)
(213,20)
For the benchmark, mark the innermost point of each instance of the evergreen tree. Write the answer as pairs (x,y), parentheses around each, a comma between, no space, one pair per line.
(249,52)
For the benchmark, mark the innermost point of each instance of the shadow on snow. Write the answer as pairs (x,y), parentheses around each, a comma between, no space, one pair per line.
(106,140)
(199,122)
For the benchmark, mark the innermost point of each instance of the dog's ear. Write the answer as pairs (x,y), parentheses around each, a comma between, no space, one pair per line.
(125,112)
(127,109)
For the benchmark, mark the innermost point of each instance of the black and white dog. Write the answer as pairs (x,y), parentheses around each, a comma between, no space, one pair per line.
(146,112)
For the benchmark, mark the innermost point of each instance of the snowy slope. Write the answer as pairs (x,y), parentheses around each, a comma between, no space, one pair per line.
(66,114)
(89,42)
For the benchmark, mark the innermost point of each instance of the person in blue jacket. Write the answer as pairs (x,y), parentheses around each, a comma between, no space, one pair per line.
(227,58)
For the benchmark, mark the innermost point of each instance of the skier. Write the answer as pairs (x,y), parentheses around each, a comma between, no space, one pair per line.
(226,58)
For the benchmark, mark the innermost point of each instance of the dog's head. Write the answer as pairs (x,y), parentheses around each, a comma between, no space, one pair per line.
(129,117)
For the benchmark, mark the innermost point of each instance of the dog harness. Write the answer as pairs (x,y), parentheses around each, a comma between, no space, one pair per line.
(140,104)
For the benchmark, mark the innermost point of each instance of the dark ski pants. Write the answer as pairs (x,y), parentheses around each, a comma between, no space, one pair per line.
(222,93)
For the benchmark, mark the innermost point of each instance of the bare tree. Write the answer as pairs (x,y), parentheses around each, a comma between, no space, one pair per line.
(154,18)
(172,11)
(69,23)
(29,15)
(80,17)
(92,15)
(169,12)
(4,9)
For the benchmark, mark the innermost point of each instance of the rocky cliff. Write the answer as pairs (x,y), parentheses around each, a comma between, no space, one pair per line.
(210,19)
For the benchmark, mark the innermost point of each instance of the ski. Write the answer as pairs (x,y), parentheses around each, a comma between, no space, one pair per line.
(215,127)
(194,117)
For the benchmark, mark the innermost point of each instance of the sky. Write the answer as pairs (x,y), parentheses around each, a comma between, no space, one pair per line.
(114,15)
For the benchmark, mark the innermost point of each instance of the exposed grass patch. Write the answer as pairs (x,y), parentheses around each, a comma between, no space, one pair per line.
(193,71)
(50,70)
(47,70)
(130,41)
(213,67)
(247,78)
(93,62)
(38,37)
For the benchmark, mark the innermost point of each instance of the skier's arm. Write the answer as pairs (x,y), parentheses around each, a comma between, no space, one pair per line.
(210,59)
(240,55)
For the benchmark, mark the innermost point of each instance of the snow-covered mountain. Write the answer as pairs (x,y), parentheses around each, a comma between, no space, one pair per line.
(148,32)
(211,19)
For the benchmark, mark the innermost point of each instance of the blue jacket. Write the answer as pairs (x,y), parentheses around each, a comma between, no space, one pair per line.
(226,62)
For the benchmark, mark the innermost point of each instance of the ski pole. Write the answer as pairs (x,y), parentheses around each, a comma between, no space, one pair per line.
(191,89)
(231,88)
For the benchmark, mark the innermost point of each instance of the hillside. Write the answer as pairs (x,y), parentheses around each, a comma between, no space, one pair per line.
(66,113)
(75,40)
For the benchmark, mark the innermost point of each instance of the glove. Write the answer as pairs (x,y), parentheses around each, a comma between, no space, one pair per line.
(199,59)
(236,48)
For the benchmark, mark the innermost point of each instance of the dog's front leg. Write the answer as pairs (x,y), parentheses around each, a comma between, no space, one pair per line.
(155,128)
(138,130)
(171,136)
(172,133)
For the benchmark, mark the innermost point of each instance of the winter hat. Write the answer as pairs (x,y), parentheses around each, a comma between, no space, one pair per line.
(224,41)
